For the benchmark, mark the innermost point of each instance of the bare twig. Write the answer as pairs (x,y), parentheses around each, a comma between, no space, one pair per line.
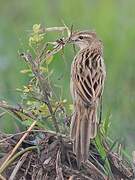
(34,130)
(2,177)
(77,173)
(58,45)
(28,166)
(52,29)
(95,169)
(18,166)
(100,110)
(59,168)
(17,111)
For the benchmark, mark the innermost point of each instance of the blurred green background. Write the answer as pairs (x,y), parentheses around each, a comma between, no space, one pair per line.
(114,21)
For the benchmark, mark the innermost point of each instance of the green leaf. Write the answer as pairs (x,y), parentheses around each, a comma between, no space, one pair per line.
(102,152)
(106,123)
(27,122)
(24,71)
(49,60)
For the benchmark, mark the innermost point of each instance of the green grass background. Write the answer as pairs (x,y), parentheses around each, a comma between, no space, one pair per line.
(114,21)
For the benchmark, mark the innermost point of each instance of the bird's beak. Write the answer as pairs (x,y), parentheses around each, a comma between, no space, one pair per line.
(71,40)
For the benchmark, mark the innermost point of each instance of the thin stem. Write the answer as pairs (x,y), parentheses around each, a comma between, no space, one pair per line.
(43,85)
(101,109)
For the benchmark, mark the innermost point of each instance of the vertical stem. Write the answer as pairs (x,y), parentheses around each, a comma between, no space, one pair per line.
(43,85)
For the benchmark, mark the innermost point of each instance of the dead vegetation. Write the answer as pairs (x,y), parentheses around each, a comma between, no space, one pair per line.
(52,158)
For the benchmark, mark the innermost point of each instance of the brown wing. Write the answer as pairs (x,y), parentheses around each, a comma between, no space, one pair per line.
(88,75)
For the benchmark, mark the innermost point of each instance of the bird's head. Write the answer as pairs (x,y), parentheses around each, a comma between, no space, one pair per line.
(83,39)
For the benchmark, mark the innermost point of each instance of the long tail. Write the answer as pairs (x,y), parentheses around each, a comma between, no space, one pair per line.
(83,128)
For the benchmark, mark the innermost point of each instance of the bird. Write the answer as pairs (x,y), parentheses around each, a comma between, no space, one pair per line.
(88,74)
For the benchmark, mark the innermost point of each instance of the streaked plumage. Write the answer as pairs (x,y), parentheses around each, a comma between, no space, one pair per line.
(87,82)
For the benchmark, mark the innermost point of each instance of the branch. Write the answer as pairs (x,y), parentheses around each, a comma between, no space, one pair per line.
(43,84)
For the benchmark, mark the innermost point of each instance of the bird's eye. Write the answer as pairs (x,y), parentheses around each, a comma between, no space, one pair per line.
(80,37)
